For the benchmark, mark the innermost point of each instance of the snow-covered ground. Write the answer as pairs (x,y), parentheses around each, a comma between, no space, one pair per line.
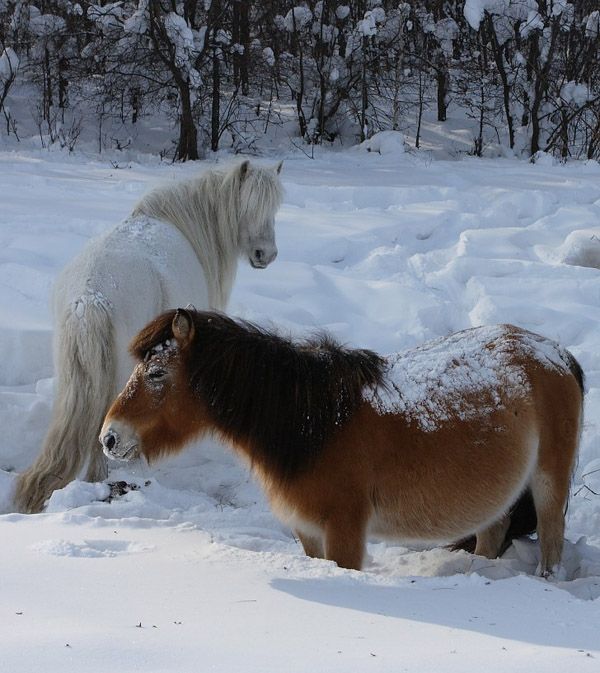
(190,572)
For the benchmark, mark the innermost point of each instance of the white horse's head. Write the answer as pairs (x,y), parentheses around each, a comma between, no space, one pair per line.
(261,194)
(225,213)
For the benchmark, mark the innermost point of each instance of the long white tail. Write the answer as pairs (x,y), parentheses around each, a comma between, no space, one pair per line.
(85,367)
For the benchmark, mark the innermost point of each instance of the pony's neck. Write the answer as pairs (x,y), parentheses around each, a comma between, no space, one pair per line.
(206,211)
(276,400)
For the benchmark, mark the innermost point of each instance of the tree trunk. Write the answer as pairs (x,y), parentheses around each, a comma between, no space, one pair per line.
(420,113)
(62,84)
(187,147)
(322,73)
(236,39)
(479,139)
(398,71)
(497,51)
(216,100)
(215,24)
(245,42)
(541,85)
(364,93)
(47,92)
(564,134)
(442,90)
(300,94)
(594,140)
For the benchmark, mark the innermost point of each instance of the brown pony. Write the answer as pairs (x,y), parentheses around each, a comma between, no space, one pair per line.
(434,444)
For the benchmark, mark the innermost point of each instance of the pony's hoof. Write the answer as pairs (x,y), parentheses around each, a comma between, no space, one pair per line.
(555,574)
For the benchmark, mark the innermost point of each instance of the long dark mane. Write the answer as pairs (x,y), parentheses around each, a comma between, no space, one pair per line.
(282,398)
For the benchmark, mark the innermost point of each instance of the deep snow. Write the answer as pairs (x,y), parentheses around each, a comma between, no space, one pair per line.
(190,571)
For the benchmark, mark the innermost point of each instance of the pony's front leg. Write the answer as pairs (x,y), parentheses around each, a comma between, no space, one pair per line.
(313,546)
(345,541)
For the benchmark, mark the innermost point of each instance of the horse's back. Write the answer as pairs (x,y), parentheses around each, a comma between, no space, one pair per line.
(136,270)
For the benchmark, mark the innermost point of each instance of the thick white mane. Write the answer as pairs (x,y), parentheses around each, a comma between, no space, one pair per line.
(210,212)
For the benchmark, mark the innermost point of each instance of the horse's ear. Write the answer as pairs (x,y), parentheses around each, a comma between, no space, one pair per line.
(183,327)
(279,167)
(244,169)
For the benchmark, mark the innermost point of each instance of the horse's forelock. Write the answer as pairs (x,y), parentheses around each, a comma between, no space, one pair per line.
(157,332)
(261,195)
(253,196)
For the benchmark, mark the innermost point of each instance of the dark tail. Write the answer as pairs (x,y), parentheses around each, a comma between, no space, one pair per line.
(523,521)
(575,368)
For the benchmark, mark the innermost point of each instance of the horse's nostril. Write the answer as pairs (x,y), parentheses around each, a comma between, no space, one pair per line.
(258,255)
(109,440)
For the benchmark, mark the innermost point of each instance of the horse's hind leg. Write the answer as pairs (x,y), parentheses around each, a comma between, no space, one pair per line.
(550,493)
(490,540)
(550,484)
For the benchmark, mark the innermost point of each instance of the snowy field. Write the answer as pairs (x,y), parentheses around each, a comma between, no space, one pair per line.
(190,572)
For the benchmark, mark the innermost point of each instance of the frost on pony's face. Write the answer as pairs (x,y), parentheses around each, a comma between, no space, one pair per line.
(260,197)
(153,396)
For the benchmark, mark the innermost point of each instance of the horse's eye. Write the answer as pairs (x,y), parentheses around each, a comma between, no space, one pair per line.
(156,374)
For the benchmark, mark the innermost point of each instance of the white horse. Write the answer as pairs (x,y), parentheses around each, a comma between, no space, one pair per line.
(180,245)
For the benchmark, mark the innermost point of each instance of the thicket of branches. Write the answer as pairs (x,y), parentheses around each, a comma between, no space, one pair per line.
(526,71)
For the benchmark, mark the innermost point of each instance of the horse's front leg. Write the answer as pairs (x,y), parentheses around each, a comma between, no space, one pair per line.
(313,545)
(345,538)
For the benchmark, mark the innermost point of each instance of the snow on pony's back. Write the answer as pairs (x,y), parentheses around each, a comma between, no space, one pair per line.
(462,376)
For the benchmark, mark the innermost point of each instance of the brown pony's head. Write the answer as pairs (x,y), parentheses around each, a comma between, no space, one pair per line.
(156,413)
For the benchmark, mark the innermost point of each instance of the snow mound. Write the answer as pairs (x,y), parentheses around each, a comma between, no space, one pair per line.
(582,248)
(543,159)
(77,494)
(385,142)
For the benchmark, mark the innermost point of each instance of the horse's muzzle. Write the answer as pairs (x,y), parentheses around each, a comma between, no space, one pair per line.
(261,257)
(116,445)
